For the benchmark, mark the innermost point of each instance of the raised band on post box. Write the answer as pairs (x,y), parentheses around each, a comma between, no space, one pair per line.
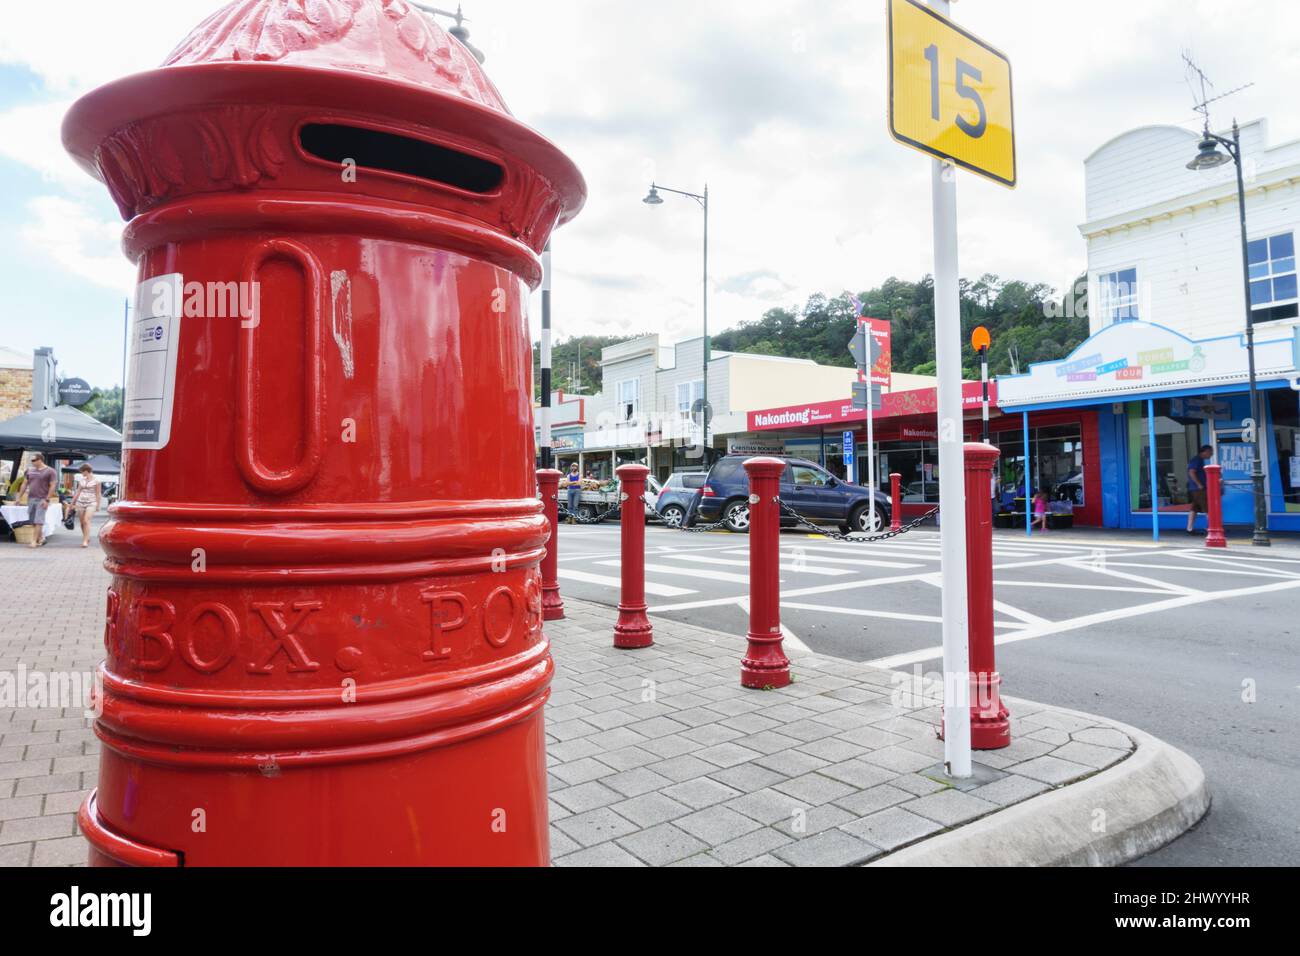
(324,627)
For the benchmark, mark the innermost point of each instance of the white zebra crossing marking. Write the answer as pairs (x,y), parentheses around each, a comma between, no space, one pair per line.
(651,587)
(686,572)
(827,559)
(790,568)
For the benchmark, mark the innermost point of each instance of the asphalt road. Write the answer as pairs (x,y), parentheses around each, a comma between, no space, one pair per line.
(1196,648)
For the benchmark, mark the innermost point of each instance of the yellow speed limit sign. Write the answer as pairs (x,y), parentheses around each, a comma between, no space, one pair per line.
(950,93)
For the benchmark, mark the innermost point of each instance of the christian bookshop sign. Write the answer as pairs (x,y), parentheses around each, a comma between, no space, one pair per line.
(1141,358)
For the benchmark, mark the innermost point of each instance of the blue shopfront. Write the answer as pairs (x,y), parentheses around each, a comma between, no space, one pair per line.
(1159,398)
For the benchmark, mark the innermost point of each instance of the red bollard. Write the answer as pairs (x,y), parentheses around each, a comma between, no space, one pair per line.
(765,664)
(990,726)
(633,629)
(896,502)
(1214,537)
(548,482)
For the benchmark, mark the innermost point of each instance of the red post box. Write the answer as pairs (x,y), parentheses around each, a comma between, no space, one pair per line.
(633,630)
(548,483)
(990,724)
(765,664)
(895,502)
(1214,536)
(324,627)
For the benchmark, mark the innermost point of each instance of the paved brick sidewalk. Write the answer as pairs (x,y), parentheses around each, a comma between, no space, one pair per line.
(53,621)
(657,757)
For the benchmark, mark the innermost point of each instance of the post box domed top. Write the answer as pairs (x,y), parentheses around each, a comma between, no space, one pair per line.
(389,39)
(382,67)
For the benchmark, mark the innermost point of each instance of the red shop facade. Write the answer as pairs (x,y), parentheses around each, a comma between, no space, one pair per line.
(1064,455)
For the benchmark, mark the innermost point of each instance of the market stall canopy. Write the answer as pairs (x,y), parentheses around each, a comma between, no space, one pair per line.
(61,430)
(99,464)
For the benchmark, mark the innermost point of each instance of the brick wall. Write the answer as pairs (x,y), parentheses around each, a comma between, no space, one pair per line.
(15,392)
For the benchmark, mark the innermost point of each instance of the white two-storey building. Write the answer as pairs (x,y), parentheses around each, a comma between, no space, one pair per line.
(1167,364)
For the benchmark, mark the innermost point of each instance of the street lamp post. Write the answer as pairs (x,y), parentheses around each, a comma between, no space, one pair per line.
(1209,157)
(458,30)
(654,199)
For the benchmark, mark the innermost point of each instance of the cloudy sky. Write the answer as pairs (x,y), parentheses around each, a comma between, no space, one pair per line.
(778,106)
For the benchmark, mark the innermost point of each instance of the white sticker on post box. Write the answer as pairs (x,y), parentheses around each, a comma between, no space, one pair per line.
(152,348)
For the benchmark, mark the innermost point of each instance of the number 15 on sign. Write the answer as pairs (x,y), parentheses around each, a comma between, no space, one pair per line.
(950,93)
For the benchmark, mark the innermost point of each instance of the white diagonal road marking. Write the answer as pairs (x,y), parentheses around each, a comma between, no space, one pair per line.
(696,573)
(1088,620)
(651,587)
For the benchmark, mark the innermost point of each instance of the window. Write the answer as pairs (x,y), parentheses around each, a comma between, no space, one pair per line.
(918,464)
(688,393)
(1055,464)
(1284,412)
(725,469)
(1177,439)
(810,477)
(1273,278)
(629,399)
(1119,300)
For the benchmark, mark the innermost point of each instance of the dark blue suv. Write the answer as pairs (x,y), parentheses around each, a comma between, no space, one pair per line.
(807,488)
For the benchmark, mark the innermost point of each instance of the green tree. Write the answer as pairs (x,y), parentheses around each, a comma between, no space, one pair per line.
(1023,318)
(575,363)
(105,405)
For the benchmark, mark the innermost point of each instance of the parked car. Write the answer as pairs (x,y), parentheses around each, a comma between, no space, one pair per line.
(914,493)
(678,494)
(1071,489)
(806,487)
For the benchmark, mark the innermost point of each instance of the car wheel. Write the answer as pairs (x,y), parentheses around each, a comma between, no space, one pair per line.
(586,512)
(674,515)
(737,517)
(861,520)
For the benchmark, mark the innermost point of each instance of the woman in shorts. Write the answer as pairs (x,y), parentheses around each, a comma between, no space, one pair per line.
(85,499)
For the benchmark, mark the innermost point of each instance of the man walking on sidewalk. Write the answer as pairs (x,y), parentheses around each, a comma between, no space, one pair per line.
(39,483)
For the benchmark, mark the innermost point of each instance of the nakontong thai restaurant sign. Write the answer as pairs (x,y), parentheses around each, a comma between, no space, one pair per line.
(921,401)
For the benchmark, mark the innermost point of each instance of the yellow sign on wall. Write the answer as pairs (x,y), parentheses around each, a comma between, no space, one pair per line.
(950,93)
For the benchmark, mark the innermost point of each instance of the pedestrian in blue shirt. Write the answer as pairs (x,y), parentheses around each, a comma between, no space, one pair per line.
(1196,485)
(573,485)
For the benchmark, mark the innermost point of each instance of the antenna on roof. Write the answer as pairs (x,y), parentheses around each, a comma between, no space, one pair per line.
(1196,78)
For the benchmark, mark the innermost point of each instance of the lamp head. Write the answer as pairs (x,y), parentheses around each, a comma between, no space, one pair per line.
(653,198)
(1208,156)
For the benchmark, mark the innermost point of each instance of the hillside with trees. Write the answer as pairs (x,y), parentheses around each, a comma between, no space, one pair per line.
(575,363)
(1027,321)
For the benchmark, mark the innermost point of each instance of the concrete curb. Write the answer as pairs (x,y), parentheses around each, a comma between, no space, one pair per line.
(1148,800)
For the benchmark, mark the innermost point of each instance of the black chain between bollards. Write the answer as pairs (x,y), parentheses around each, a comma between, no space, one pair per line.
(564,512)
(883,536)
(694,529)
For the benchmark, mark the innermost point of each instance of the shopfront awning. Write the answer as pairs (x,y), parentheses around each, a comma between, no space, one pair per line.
(1128,360)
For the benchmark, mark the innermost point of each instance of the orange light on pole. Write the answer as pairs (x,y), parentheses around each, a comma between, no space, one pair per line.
(980,340)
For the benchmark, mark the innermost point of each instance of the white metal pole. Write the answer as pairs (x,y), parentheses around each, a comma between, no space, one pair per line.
(952,466)
(871,451)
